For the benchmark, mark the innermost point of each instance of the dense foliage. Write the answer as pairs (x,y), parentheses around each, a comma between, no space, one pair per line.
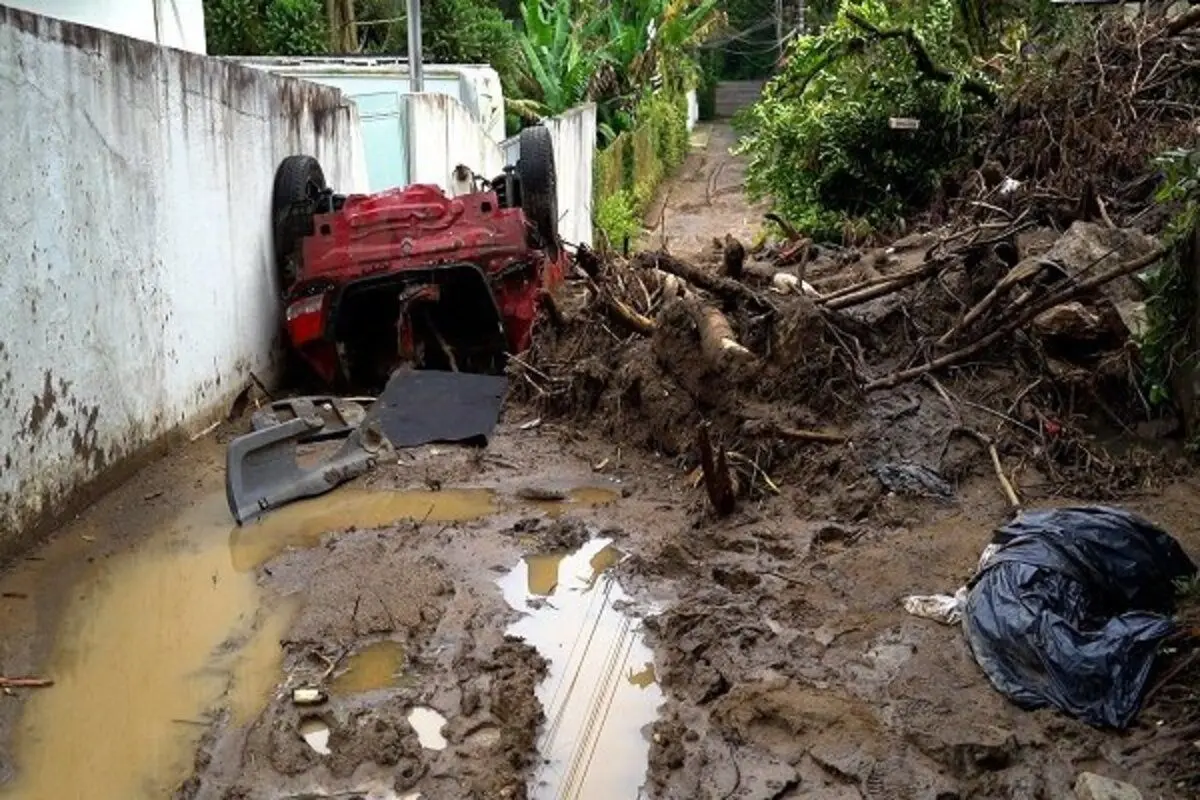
(630,169)
(609,53)
(821,143)
(265,27)
(454,31)
(550,56)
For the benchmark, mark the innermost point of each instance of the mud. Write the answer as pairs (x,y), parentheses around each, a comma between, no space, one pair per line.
(561,615)
(601,692)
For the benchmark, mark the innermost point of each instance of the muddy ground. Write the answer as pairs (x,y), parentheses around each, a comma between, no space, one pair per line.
(783,665)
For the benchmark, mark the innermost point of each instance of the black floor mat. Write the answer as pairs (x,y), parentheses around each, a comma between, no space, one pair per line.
(423,406)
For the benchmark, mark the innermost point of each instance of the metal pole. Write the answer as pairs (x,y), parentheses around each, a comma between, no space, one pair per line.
(416,70)
(779,26)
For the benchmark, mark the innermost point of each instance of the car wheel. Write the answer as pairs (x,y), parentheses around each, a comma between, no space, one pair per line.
(298,181)
(539,185)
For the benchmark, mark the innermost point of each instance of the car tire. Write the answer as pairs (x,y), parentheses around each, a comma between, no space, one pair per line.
(539,185)
(297,182)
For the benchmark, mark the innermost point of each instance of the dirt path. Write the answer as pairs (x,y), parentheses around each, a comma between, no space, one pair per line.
(705,200)
(557,616)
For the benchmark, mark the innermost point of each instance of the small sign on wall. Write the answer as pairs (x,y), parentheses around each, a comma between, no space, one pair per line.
(904,123)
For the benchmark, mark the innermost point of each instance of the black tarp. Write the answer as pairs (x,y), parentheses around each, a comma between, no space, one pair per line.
(1069,612)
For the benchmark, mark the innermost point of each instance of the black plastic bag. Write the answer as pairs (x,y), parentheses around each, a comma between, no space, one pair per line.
(1071,608)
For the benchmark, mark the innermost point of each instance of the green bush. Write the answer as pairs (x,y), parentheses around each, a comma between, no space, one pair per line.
(1168,341)
(265,27)
(617,220)
(819,143)
(629,171)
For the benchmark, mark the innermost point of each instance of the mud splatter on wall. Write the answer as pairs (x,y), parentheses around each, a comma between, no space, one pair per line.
(138,286)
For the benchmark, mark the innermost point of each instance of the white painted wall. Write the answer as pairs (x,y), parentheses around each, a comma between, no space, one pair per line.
(441,135)
(574,137)
(172,23)
(366,78)
(139,288)
(693,109)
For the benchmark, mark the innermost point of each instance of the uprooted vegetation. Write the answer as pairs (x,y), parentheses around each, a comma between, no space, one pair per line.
(1082,127)
(1067,126)
(1031,322)
(992,350)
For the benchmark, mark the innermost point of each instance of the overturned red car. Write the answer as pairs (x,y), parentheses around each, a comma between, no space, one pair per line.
(414,275)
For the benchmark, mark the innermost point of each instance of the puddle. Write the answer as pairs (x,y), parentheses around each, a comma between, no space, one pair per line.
(260,665)
(428,724)
(601,690)
(583,496)
(316,734)
(137,662)
(303,524)
(153,640)
(376,666)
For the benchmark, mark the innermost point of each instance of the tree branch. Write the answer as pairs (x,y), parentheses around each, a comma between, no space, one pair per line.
(925,64)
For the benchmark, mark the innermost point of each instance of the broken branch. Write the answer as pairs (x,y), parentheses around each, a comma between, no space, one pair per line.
(882,288)
(722,287)
(718,480)
(988,444)
(924,62)
(1033,310)
(25,683)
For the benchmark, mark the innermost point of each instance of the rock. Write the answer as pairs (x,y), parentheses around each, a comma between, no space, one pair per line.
(1090,786)
(1068,321)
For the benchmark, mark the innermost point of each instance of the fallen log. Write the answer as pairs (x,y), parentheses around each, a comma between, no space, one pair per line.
(620,313)
(1027,316)
(719,481)
(1024,271)
(722,287)
(718,342)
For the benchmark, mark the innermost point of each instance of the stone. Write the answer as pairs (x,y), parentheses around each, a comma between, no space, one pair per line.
(1069,321)
(1090,786)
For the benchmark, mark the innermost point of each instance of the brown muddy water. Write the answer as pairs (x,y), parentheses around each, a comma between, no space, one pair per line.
(376,666)
(156,641)
(601,694)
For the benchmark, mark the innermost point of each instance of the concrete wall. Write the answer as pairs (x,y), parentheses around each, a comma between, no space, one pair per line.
(574,137)
(139,288)
(441,135)
(173,23)
(693,109)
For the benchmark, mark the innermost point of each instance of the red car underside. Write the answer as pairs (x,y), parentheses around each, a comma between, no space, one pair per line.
(411,275)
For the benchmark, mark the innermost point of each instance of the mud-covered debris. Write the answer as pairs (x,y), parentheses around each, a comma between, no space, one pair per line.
(542,494)
(1090,786)
(563,535)
(943,608)
(1070,321)
(913,480)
